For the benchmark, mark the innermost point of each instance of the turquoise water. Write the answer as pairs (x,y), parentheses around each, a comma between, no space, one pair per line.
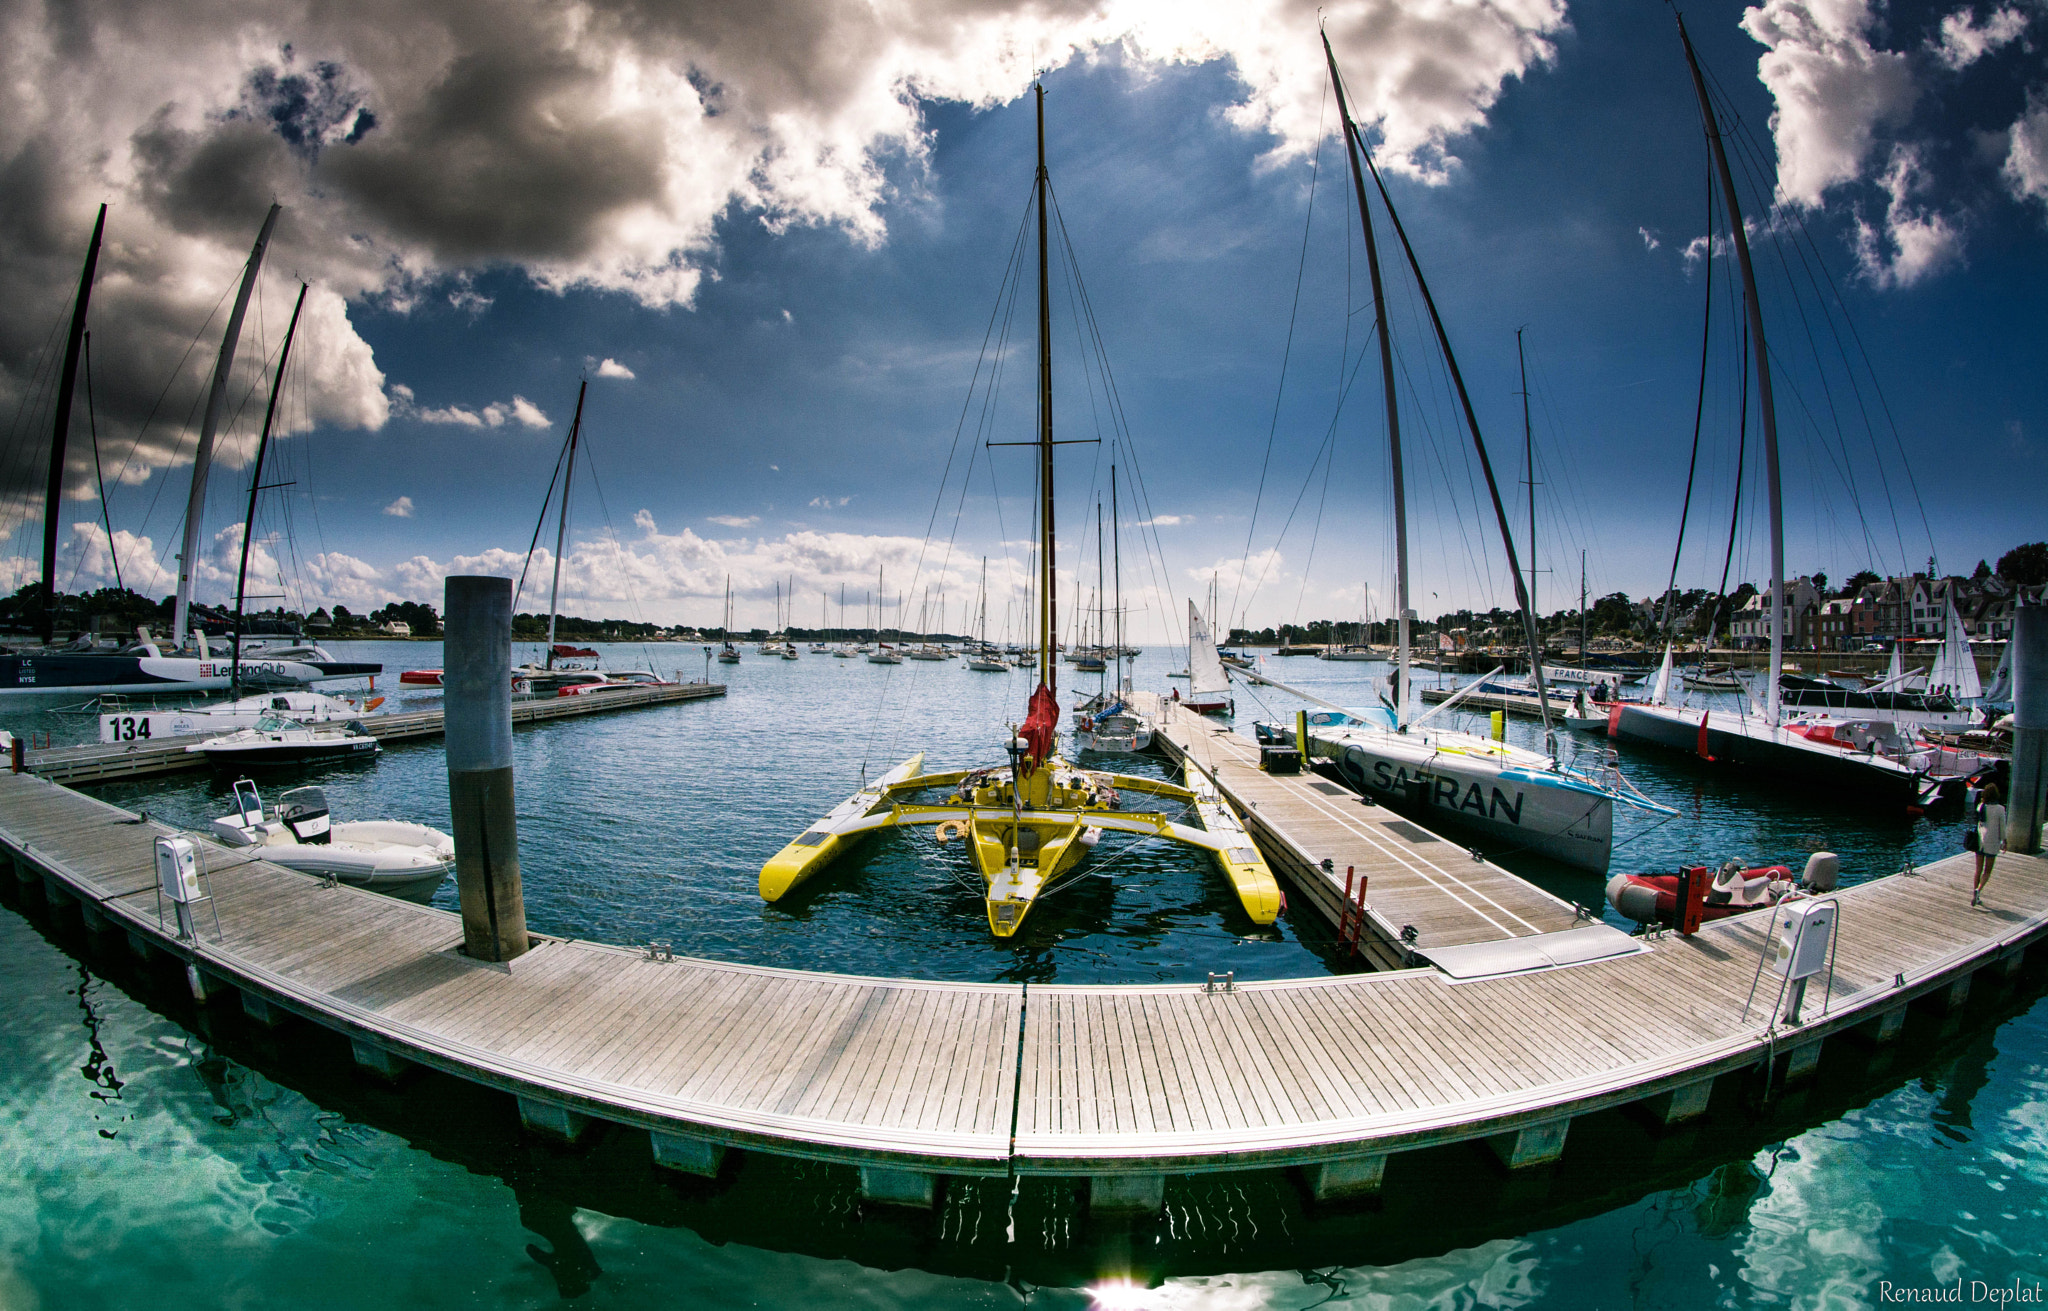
(154,1154)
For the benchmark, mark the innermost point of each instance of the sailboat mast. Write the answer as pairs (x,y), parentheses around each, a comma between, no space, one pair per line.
(1100,626)
(1500,513)
(202,458)
(1529,455)
(1048,664)
(1352,149)
(67,383)
(284,356)
(562,522)
(1116,546)
(1582,610)
(1766,407)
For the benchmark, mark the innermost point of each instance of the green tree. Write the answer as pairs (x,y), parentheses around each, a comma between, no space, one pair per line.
(1859,580)
(2026,565)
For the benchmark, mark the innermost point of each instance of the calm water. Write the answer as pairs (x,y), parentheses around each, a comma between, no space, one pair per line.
(153,1154)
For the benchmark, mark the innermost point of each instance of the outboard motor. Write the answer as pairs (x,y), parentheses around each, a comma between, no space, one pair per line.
(1822,868)
(304,812)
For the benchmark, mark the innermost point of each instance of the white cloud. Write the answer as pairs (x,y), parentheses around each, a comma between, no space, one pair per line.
(453,414)
(611,368)
(1963,42)
(1833,90)
(2026,160)
(1163,521)
(643,520)
(1916,242)
(1650,242)
(494,415)
(417,144)
(400,508)
(736,520)
(528,413)
(828,502)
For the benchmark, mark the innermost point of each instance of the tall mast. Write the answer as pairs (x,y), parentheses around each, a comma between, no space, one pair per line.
(1352,148)
(202,458)
(1500,513)
(284,355)
(562,522)
(1766,407)
(1100,627)
(67,383)
(1116,546)
(1529,454)
(1048,665)
(1582,609)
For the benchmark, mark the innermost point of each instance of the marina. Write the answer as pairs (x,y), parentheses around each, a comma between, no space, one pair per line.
(407,938)
(914,1082)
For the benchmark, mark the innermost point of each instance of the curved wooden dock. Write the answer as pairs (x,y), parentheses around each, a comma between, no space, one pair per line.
(912,1081)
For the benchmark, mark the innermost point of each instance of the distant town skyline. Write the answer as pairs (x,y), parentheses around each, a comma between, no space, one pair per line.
(776,256)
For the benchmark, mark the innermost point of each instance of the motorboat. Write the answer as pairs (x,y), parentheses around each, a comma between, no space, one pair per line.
(275,740)
(1733,890)
(119,723)
(407,861)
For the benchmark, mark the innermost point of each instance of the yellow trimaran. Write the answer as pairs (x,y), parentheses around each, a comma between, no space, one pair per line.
(1034,819)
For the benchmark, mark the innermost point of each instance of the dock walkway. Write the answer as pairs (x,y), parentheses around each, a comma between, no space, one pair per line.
(911,1081)
(106,762)
(1415,880)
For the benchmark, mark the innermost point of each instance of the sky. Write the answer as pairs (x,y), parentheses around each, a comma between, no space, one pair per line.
(773,239)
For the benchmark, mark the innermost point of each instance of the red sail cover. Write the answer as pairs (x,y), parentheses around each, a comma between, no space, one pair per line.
(1039,723)
(563,652)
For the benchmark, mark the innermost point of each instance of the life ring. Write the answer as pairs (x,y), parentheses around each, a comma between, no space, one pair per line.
(949,829)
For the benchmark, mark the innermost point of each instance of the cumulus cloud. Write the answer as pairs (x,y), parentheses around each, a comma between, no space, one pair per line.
(494,415)
(1964,41)
(611,368)
(587,144)
(400,508)
(1915,242)
(2026,159)
(1833,89)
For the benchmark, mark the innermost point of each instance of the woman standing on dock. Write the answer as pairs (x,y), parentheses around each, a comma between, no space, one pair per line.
(1990,837)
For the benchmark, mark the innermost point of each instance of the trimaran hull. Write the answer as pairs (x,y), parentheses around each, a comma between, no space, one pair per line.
(81,673)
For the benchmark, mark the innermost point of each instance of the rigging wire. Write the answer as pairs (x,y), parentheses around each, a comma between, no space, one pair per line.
(1286,353)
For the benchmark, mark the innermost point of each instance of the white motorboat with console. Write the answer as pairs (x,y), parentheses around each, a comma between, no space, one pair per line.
(119,723)
(275,740)
(402,860)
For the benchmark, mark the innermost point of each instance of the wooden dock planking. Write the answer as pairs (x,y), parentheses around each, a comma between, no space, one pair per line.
(1449,898)
(922,1075)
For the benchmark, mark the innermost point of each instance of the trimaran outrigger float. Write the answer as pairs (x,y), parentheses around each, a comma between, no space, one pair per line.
(1037,817)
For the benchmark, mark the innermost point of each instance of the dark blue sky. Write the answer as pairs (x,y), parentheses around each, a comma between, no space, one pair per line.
(816,382)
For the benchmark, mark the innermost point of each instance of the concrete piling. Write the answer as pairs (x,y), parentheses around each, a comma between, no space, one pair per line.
(477,681)
(2024,808)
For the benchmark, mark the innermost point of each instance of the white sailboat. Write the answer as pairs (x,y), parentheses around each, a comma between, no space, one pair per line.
(1763,744)
(1208,685)
(1522,799)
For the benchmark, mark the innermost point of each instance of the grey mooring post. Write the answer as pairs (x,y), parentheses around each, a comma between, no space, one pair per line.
(2023,809)
(476,681)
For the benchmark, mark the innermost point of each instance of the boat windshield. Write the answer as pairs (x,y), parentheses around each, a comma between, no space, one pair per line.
(276,724)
